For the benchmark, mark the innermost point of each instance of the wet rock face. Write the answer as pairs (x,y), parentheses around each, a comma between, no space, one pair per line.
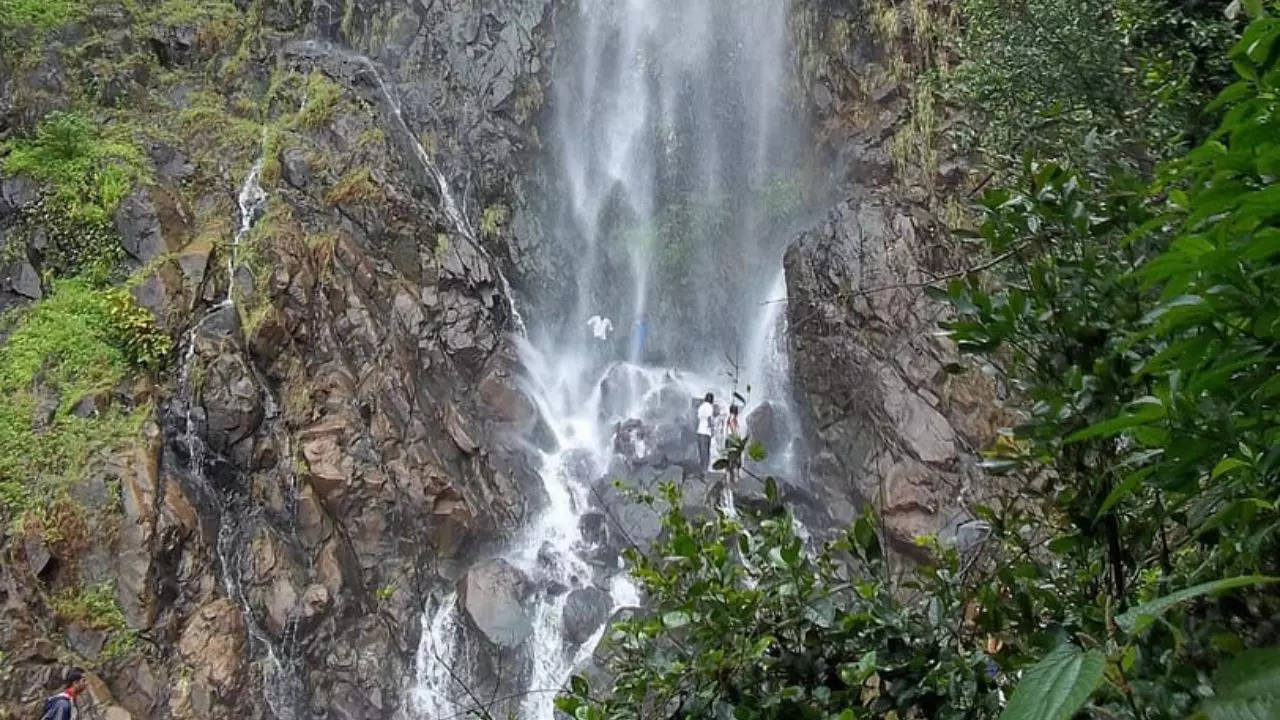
(585,610)
(494,596)
(337,445)
(887,424)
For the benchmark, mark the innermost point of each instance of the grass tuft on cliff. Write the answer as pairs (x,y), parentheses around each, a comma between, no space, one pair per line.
(89,168)
(79,342)
(40,14)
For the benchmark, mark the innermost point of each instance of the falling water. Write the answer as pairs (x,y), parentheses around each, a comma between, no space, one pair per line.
(281,683)
(675,149)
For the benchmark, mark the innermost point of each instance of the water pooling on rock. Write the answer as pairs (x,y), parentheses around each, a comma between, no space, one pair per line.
(674,151)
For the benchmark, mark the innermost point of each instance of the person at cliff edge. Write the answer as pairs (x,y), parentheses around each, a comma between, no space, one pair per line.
(705,411)
(63,705)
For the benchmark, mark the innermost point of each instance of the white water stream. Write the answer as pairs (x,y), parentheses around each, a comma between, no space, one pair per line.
(671,138)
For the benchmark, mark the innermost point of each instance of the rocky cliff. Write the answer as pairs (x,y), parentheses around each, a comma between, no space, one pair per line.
(328,435)
(887,424)
(318,202)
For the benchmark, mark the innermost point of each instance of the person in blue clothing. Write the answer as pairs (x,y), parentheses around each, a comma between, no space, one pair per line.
(63,705)
(638,332)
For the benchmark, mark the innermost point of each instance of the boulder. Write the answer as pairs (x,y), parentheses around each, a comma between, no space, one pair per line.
(139,227)
(495,596)
(585,610)
(766,424)
(295,167)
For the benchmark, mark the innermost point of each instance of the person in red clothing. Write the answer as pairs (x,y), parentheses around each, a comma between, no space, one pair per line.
(63,705)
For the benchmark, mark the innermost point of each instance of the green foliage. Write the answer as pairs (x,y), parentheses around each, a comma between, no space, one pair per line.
(90,168)
(38,14)
(1081,81)
(742,621)
(322,96)
(1056,687)
(1140,322)
(493,218)
(60,350)
(95,606)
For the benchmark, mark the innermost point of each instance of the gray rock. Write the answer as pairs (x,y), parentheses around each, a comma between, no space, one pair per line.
(25,281)
(767,426)
(495,595)
(585,610)
(86,640)
(295,167)
(139,227)
(16,193)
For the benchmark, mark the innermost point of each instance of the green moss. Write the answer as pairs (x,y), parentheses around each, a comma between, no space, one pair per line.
(323,95)
(355,187)
(95,606)
(216,22)
(70,345)
(493,218)
(40,14)
(90,168)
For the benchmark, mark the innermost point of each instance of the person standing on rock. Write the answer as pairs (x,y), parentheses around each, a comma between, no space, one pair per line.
(705,411)
(600,328)
(63,705)
(732,434)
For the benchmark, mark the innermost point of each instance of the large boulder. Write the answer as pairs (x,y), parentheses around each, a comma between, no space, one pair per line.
(885,423)
(495,595)
(585,610)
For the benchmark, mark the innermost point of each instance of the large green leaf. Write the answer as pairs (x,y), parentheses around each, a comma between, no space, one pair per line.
(1056,687)
(1137,619)
(1247,688)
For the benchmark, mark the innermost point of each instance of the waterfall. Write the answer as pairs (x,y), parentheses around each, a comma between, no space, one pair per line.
(675,153)
(282,686)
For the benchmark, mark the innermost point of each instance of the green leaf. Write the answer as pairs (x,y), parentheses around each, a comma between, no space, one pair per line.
(1143,411)
(1057,686)
(675,619)
(1227,465)
(1137,619)
(578,684)
(1247,688)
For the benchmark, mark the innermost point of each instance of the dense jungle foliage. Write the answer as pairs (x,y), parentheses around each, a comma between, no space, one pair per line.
(1130,303)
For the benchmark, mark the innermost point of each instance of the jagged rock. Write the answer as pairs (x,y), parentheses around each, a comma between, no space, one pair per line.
(17,193)
(766,425)
(585,610)
(212,643)
(23,279)
(295,167)
(175,45)
(139,227)
(86,640)
(884,419)
(494,596)
(91,405)
(37,554)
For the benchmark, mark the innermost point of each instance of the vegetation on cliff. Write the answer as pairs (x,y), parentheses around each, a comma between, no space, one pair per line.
(1128,303)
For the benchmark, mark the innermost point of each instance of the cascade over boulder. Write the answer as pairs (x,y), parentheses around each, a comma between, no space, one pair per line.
(585,610)
(494,595)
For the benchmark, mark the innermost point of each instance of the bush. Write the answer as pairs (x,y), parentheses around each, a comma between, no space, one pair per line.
(77,342)
(39,14)
(89,169)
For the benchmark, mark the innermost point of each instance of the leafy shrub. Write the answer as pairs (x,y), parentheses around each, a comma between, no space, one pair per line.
(89,169)
(322,96)
(77,342)
(95,606)
(40,14)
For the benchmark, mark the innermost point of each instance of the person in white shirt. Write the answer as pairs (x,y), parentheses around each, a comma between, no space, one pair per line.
(600,327)
(705,411)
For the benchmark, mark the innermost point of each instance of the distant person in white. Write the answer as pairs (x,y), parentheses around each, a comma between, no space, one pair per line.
(600,327)
(705,411)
